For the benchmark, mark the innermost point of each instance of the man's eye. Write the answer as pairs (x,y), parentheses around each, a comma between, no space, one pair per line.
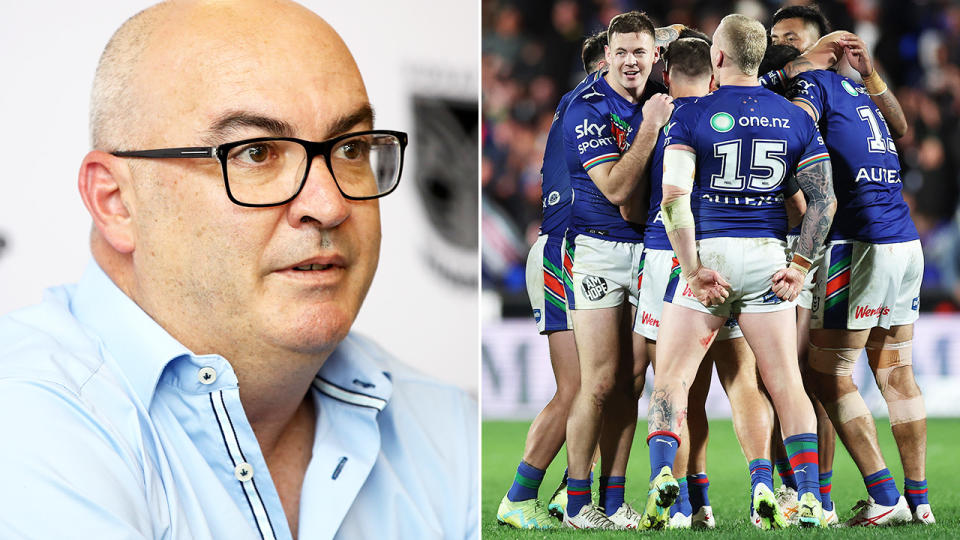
(251,154)
(353,150)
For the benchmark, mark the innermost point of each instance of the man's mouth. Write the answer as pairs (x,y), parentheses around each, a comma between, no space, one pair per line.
(308,267)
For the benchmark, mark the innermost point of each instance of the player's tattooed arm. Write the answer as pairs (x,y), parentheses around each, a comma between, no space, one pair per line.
(667,34)
(816,182)
(892,113)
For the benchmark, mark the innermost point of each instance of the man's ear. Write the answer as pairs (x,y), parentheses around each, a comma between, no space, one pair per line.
(102,182)
(666,78)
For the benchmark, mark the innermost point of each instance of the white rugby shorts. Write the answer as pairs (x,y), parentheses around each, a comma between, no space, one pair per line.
(868,285)
(605,273)
(748,264)
(658,269)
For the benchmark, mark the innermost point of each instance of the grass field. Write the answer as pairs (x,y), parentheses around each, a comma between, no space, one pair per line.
(730,484)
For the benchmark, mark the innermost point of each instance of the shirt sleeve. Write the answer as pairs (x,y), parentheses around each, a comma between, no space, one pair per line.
(587,132)
(774,80)
(806,89)
(65,476)
(814,151)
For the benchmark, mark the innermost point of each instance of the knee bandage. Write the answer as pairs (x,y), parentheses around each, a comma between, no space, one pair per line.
(849,406)
(839,362)
(888,357)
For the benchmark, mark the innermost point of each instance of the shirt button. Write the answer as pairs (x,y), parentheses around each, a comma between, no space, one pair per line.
(243,472)
(207,375)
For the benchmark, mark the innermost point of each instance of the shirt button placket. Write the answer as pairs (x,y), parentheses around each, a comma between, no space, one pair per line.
(243,472)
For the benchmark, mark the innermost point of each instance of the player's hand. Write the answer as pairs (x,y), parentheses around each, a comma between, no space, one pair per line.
(787,283)
(856,52)
(708,286)
(828,50)
(657,111)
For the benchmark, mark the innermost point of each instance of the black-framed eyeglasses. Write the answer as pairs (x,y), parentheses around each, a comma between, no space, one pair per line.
(271,171)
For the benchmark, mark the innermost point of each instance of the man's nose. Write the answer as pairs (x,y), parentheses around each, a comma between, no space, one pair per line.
(320,199)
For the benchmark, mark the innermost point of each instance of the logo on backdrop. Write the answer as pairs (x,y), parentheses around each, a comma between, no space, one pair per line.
(445,140)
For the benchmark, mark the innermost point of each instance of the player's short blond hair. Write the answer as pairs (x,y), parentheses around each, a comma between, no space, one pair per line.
(744,40)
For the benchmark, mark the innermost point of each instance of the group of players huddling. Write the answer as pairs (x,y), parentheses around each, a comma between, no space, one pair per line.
(666,240)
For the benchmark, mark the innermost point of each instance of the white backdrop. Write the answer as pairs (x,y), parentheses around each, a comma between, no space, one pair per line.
(427,48)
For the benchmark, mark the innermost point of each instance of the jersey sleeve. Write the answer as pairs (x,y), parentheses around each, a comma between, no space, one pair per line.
(808,90)
(588,131)
(774,80)
(814,151)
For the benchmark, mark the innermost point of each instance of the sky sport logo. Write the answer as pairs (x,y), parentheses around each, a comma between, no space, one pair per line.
(721,122)
(594,288)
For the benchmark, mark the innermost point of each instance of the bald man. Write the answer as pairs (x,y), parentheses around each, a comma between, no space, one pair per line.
(201,380)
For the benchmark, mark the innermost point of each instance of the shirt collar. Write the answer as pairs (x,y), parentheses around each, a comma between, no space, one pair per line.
(353,375)
(140,346)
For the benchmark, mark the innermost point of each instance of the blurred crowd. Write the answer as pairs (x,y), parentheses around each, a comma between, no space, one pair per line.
(531,57)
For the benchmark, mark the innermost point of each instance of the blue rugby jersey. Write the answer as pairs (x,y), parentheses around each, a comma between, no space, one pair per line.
(654,233)
(747,139)
(598,127)
(555,176)
(866,169)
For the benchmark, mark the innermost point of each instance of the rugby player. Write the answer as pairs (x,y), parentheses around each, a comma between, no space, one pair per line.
(546,275)
(800,27)
(688,75)
(738,144)
(869,294)
(607,159)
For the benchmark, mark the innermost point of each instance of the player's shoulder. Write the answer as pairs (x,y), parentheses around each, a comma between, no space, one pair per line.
(590,93)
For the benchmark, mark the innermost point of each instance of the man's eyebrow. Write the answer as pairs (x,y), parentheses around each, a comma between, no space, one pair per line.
(233,120)
(362,115)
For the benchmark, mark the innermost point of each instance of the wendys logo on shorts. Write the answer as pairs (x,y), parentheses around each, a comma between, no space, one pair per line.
(647,319)
(863,312)
(594,288)
(687,292)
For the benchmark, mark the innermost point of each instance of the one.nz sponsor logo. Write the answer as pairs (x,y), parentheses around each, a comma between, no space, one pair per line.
(594,288)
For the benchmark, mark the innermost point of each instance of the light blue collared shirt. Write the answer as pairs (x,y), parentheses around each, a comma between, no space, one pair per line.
(110,428)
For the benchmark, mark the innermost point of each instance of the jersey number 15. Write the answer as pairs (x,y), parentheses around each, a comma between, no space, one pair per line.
(764,158)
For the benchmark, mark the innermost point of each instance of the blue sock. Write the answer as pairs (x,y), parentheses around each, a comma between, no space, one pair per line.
(915,492)
(825,486)
(697,485)
(682,504)
(663,449)
(786,473)
(882,488)
(761,472)
(526,483)
(611,493)
(802,451)
(578,495)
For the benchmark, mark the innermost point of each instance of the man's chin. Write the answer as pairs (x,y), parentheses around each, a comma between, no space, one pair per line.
(313,331)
